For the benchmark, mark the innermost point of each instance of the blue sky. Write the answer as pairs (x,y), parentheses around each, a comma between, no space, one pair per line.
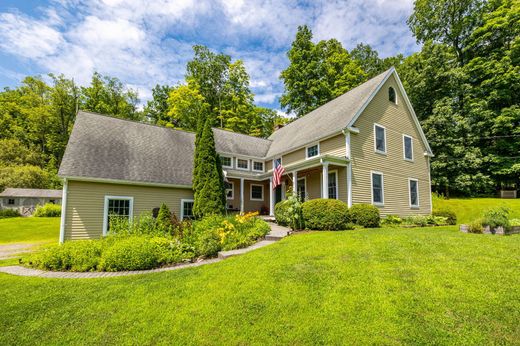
(144,43)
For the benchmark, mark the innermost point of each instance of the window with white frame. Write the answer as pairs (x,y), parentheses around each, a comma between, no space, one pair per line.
(242,164)
(379,139)
(258,166)
(301,188)
(408,147)
(377,188)
(333,185)
(226,161)
(313,150)
(117,208)
(257,192)
(414,192)
(230,189)
(186,209)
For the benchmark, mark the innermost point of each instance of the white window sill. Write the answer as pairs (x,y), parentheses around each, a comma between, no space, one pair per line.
(381,152)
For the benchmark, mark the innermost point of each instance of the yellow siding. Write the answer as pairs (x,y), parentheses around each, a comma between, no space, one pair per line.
(397,120)
(85,203)
(333,146)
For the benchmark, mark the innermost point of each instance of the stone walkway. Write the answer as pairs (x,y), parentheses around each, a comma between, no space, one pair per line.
(277,233)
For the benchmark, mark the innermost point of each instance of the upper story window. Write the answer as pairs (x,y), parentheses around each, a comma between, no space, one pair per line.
(258,166)
(313,150)
(414,192)
(392,97)
(242,164)
(377,189)
(408,148)
(226,161)
(379,139)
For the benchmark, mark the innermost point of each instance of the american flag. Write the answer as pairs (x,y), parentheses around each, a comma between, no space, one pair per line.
(277,173)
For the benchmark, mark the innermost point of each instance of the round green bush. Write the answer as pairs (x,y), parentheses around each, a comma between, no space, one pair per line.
(76,256)
(325,214)
(6,213)
(451,217)
(365,215)
(132,253)
(48,210)
(281,213)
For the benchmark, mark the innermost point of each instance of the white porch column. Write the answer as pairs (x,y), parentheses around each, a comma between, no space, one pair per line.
(63,210)
(325,181)
(241,195)
(349,184)
(271,197)
(295,182)
(283,189)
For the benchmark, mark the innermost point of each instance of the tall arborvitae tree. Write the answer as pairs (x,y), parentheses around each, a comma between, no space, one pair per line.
(208,184)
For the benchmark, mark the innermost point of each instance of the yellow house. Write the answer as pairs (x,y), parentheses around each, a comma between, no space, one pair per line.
(365,146)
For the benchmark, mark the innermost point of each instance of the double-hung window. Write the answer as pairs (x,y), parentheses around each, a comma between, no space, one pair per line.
(243,164)
(301,189)
(118,208)
(226,161)
(333,185)
(186,209)
(408,148)
(312,151)
(413,185)
(378,197)
(257,192)
(258,166)
(379,139)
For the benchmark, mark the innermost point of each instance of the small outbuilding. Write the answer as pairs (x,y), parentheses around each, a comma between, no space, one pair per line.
(26,200)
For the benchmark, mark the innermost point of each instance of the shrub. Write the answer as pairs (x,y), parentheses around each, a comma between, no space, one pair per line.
(475,226)
(514,222)
(6,213)
(365,215)
(496,217)
(417,220)
(391,220)
(281,213)
(294,211)
(132,253)
(325,214)
(48,210)
(164,219)
(81,255)
(451,217)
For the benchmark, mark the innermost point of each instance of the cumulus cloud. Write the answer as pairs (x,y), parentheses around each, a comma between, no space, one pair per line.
(149,42)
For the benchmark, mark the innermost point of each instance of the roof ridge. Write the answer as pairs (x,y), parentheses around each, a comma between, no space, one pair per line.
(242,134)
(391,69)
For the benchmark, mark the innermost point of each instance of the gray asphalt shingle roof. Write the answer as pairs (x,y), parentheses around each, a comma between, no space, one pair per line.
(104,147)
(325,120)
(37,193)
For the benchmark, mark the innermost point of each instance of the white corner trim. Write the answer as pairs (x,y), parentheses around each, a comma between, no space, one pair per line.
(251,192)
(375,139)
(380,204)
(182,206)
(410,193)
(63,210)
(404,148)
(105,210)
(310,146)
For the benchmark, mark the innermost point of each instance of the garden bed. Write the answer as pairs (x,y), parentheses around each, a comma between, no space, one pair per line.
(497,230)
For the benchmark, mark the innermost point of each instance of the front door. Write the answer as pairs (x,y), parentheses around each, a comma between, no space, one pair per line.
(277,194)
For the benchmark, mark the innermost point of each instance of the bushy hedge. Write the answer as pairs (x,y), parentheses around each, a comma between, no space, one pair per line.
(451,217)
(6,213)
(48,210)
(365,215)
(281,213)
(139,249)
(325,214)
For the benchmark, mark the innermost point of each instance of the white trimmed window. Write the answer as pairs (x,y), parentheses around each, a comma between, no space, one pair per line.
(379,139)
(413,187)
(226,161)
(312,151)
(257,192)
(378,195)
(186,209)
(301,187)
(243,164)
(117,206)
(408,148)
(258,166)
(230,189)
(333,185)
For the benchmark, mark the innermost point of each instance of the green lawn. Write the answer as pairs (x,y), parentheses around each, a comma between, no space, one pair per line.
(378,286)
(470,209)
(29,229)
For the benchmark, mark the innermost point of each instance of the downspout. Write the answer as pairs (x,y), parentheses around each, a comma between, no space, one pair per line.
(63,210)
(348,155)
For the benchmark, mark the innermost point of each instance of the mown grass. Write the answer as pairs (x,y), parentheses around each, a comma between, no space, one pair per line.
(377,286)
(470,209)
(29,229)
